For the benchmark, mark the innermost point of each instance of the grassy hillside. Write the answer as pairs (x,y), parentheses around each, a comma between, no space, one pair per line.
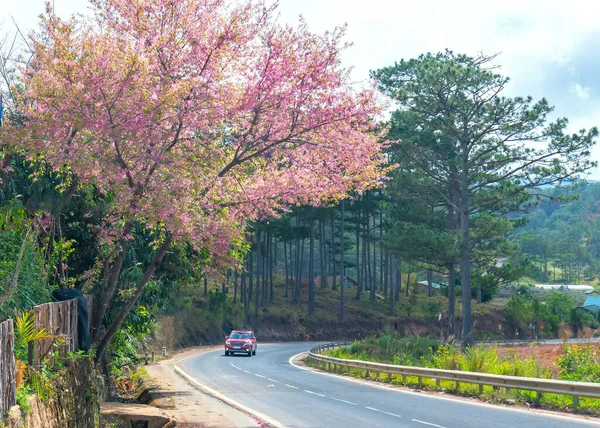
(197,319)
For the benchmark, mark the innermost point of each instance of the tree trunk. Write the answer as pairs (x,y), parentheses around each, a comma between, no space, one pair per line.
(205,285)
(385,262)
(358,265)
(272,264)
(465,262)
(322,273)
(429,283)
(130,303)
(258,274)
(243,290)
(297,268)
(381,256)
(370,267)
(398,264)
(332,246)
(391,280)
(374,249)
(265,267)
(111,283)
(451,300)
(451,267)
(285,261)
(300,268)
(250,277)
(364,262)
(235,285)
(342,271)
(311,268)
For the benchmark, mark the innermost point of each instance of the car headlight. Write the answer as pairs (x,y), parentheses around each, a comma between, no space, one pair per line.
(228,342)
(248,342)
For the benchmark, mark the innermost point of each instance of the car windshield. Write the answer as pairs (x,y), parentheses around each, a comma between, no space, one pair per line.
(239,336)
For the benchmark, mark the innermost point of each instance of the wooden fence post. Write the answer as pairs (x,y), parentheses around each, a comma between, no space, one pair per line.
(8,387)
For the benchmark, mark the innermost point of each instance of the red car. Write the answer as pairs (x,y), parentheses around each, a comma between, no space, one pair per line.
(240,341)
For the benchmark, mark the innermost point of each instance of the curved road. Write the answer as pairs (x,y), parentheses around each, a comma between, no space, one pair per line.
(296,397)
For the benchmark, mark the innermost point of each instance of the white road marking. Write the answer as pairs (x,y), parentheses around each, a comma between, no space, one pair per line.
(246,371)
(273,380)
(385,413)
(256,374)
(225,399)
(427,423)
(343,401)
(292,386)
(233,365)
(239,368)
(314,393)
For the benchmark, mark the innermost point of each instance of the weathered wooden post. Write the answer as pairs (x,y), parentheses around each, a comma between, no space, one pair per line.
(8,386)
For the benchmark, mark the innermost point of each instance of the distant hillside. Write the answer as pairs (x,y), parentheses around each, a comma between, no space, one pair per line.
(563,238)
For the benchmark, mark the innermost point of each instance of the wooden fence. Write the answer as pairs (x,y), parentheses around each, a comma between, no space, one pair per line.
(8,388)
(60,320)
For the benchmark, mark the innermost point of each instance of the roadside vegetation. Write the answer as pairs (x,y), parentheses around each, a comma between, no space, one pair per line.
(574,362)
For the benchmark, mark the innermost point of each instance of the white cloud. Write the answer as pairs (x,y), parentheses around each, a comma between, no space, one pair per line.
(580,91)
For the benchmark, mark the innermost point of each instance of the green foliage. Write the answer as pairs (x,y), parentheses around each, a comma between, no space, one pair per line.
(23,276)
(545,313)
(389,347)
(39,382)
(579,363)
(23,394)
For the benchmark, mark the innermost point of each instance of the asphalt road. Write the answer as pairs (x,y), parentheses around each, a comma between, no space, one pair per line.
(296,397)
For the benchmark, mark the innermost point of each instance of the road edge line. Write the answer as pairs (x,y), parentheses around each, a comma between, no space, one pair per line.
(263,419)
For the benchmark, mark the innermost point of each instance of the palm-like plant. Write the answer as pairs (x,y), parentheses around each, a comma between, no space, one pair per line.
(26,333)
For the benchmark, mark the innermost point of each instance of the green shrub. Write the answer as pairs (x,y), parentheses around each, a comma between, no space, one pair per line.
(579,363)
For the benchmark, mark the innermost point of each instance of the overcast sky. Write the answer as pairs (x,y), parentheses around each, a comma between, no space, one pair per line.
(548,48)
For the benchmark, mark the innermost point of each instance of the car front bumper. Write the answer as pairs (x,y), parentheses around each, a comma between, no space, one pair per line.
(238,350)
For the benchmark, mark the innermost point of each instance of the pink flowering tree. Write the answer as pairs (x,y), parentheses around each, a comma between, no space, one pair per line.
(196,116)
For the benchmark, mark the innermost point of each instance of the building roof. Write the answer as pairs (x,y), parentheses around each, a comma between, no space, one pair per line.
(591,301)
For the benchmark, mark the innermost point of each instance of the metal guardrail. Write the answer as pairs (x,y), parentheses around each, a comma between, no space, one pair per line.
(574,389)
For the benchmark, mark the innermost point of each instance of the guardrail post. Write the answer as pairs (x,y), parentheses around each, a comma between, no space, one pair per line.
(437,383)
(575,401)
(377,375)
(420,380)
(389,377)
(457,385)
(403,378)
(481,388)
(328,366)
(538,396)
(367,374)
